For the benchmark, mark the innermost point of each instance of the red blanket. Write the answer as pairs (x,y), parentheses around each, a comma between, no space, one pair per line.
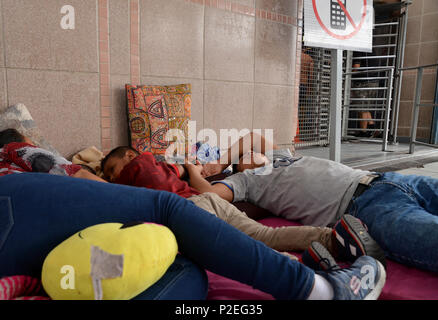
(21,288)
(402,283)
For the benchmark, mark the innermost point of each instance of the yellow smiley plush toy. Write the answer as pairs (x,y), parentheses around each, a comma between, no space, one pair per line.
(109,262)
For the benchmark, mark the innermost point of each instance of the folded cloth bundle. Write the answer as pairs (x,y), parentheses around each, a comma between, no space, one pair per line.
(90,157)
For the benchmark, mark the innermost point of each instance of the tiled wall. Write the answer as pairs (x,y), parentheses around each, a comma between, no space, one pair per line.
(239,55)
(421,49)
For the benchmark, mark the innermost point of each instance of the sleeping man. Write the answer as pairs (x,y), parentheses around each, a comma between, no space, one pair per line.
(400,211)
(126,166)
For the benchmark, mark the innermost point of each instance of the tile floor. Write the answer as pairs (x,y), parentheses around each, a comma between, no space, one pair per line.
(430,169)
(368,156)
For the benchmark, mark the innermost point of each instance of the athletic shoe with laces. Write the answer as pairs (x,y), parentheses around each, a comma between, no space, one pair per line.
(353,240)
(363,280)
(318,258)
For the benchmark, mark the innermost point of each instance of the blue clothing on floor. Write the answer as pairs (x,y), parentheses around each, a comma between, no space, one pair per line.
(39,211)
(401,212)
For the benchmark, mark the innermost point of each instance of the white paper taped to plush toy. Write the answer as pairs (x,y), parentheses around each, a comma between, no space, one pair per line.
(104,265)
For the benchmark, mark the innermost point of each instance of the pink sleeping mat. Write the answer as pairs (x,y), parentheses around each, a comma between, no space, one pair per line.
(402,283)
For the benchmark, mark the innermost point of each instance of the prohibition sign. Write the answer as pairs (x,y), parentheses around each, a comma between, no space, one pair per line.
(356,27)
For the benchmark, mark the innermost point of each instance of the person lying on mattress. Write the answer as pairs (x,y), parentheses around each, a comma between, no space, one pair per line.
(126,166)
(39,210)
(400,211)
(19,154)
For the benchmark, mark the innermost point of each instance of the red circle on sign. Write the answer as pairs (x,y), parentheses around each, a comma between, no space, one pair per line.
(337,36)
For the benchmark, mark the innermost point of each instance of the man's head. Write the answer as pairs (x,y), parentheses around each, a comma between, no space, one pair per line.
(251,160)
(116,160)
(11,135)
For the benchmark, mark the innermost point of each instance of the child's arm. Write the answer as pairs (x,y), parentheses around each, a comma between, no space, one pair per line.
(84,174)
(199,183)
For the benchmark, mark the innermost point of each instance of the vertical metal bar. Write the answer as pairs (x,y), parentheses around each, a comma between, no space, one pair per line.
(395,63)
(388,111)
(416,110)
(398,85)
(347,87)
(434,134)
(335,105)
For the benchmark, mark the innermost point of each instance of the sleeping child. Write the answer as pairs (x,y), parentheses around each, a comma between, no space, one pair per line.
(19,154)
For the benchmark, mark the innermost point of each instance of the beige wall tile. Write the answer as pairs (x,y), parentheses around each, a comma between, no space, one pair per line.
(429,53)
(119,116)
(412,54)
(428,86)
(286,7)
(65,106)
(403,132)
(423,133)
(275,53)
(425,117)
(429,30)
(274,109)
(228,105)
(172,38)
(429,6)
(119,37)
(416,8)
(3,93)
(2,47)
(405,114)
(34,37)
(249,3)
(408,87)
(197,94)
(413,33)
(229,46)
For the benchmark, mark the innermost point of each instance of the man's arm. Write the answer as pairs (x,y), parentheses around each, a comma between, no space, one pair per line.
(237,150)
(200,184)
(243,148)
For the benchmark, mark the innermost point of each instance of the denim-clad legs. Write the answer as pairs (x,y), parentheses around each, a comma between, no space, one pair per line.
(39,211)
(184,280)
(401,212)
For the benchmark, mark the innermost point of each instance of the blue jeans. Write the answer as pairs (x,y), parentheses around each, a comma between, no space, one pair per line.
(39,211)
(401,212)
(184,280)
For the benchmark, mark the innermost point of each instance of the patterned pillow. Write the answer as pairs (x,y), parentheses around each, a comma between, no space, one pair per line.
(19,118)
(153,111)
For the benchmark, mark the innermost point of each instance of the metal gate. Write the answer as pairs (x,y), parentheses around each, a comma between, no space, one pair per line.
(371,86)
(314,101)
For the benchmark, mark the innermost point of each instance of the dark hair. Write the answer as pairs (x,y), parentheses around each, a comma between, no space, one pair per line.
(10,135)
(118,152)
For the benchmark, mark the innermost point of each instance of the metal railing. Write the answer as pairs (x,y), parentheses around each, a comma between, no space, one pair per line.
(385,107)
(416,106)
